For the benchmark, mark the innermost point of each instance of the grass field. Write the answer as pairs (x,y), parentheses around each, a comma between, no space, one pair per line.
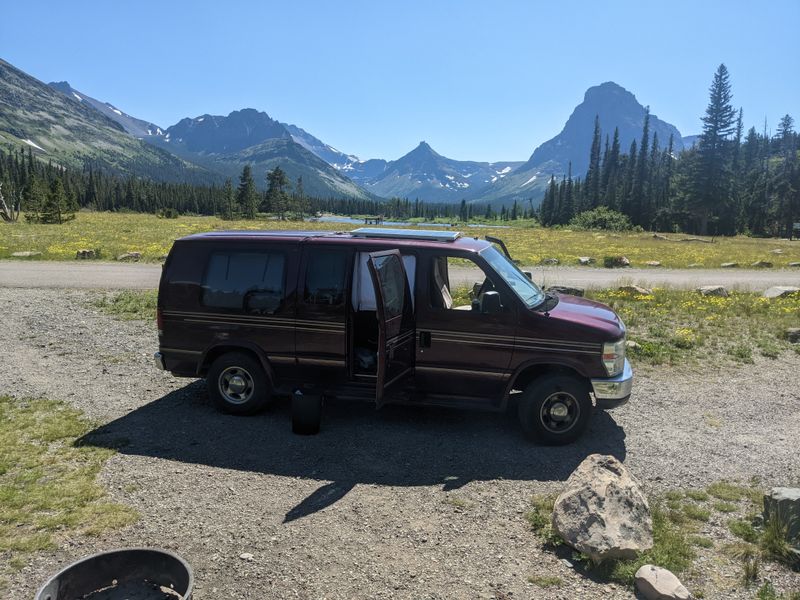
(114,233)
(678,327)
(48,487)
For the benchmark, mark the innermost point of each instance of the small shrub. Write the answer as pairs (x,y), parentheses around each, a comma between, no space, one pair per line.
(767,592)
(750,568)
(741,352)
(167,213)
(602,218)
(730,492)
(696,513)
(774,542)
(743,529)
(725,507)
(540,518)
(698,495)
(701,541)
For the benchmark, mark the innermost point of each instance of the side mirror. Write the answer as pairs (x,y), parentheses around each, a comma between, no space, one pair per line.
(528,274)
(490,303)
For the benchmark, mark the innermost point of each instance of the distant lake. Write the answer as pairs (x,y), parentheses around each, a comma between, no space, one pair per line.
(337,219)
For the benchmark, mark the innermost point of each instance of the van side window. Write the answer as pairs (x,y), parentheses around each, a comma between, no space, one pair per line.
(326,277)
(455,282)
(249,281)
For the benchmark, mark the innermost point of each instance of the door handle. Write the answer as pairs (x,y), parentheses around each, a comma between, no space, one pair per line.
(424,339)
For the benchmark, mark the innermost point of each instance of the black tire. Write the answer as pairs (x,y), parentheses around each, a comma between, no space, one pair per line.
(238,384)
(555,409)
(306,414)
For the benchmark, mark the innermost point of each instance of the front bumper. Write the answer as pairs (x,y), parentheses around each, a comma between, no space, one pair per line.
(159,360)
(614,391)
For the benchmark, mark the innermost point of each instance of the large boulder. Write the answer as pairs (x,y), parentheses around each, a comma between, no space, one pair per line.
(603,512)
(780,291)
(565,289)
(713,290)
(585,260)
(130,256)
(656,583)
(616,262)
(762,264)
(784,503)
(635,290)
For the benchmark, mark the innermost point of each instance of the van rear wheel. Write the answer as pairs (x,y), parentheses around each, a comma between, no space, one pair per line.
(555,409)
(238,384)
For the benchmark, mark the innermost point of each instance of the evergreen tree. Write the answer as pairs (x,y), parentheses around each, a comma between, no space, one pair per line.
(228,200)
(56,205)
(711,189)
(33,199)
(276,195)
(246,195)
(593,175)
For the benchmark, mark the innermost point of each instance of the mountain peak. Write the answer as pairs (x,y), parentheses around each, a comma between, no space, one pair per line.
(609,92)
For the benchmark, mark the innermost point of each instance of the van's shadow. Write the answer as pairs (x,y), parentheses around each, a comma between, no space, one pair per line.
(398,446)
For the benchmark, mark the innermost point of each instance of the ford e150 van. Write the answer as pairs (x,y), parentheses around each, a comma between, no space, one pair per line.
(382,315)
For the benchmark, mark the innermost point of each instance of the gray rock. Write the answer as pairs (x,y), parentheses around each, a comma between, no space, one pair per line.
(85,254)
(130,256)
(653,263)
(776,251)
(656,583)
(713,290)
(550,261)
(794,264)
(784,503)
(631,345)
(565,289)
(613,262)
(602,512)
(781,291)
(761,264)
(585,260)
(26,254)
(729,265)
(247,556)
(792,335)
(635,289)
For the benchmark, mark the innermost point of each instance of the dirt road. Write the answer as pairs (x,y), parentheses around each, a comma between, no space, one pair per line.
(101,275)
(402,503)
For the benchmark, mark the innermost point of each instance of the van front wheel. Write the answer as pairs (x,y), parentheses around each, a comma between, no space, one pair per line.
(555,409)
(238,385)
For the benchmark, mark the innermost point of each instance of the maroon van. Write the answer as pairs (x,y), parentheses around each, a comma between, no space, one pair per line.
(383,315)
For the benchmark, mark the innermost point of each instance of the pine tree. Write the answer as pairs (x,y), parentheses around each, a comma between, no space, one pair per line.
(56,205)
(33,199)
(228,200)
(246,195)
(276,196)
(711,189)
(593,175)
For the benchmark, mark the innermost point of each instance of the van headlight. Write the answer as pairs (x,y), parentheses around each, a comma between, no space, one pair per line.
(614,357)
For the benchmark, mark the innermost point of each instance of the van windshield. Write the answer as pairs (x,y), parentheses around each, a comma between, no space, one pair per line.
(528,292)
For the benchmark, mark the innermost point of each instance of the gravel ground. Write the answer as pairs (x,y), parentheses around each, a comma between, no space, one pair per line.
(400,503)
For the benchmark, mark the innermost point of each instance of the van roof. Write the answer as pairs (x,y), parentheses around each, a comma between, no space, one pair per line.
(362,236)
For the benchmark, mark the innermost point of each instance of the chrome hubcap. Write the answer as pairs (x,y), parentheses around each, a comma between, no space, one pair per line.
(559,413)
(236,385)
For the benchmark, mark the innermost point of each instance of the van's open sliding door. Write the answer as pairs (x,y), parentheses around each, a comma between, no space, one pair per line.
(396,332)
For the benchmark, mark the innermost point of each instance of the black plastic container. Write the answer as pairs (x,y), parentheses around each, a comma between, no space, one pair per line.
(126,565)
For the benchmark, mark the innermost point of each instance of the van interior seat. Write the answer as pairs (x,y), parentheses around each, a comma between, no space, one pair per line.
(441,291)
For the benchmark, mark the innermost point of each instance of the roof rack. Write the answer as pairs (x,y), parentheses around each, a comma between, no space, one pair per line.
(406,234)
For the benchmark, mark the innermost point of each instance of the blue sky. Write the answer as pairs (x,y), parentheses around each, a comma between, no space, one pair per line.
(476,80)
